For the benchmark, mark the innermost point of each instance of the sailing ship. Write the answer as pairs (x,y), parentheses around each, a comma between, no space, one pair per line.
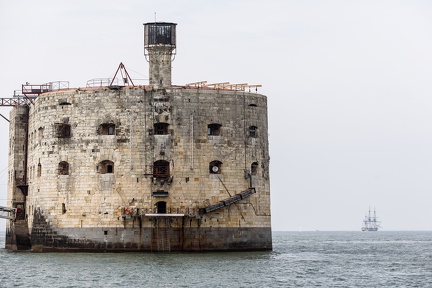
(370,222)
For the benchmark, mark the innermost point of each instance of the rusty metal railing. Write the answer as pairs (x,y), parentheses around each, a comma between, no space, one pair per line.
(7,213)
(17,101)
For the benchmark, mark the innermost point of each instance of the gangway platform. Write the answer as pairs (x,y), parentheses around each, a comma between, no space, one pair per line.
(8,213)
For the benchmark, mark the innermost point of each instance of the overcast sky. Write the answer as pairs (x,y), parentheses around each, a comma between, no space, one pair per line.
(348,86)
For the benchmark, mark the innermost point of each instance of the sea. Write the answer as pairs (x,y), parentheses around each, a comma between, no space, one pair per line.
(298,259)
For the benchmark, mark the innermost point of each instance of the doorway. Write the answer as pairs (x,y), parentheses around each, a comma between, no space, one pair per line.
(161,207)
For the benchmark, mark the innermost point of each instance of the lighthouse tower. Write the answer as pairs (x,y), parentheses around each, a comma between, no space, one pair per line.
(159,47)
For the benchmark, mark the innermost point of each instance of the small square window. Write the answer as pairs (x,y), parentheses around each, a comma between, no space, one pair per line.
(160,128)
(62,130)
(214,129)
(107,129)
(161,169)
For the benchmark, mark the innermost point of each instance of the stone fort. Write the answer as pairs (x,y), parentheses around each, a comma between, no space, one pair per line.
(157,167)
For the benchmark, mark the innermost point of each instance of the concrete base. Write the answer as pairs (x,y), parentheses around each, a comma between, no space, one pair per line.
(17,236)
(164,234)
(159,237)
(152,239)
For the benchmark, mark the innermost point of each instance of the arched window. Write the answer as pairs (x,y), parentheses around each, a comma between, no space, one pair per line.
(63,168)
(254,168)
(214,129)
(39,170)
(160,207)
(160,128)
(161,169)
(107,129)
(253,131)
(215,167)
(105,167)
(40,133)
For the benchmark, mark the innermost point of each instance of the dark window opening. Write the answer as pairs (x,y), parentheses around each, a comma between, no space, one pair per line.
(62,130)
(160,193)
(160,129)
(253,131)
(40,133)
(63,208)
(161,207)
(215,167)
(105,167)
(161,169)
(64,103)
(107,129)
(63,168)
(252,105)
(39,170)
(214,129)
(254,168)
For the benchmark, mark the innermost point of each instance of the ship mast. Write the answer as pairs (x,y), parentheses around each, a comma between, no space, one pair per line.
(370,221)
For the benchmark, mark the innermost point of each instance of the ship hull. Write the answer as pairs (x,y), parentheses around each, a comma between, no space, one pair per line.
(369,229)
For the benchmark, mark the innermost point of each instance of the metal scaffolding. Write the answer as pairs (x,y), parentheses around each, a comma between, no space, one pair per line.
(7,213)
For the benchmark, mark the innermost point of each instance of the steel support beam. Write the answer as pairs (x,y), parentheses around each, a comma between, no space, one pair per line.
(7,213)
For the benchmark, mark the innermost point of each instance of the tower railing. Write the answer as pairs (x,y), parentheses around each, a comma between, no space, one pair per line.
(37,89)
(98,82)
(104,82)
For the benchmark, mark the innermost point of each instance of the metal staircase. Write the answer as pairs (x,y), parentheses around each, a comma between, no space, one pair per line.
(227,201)
(161,234)
(7,213)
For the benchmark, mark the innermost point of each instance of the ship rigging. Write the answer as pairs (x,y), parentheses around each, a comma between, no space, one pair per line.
(370,222)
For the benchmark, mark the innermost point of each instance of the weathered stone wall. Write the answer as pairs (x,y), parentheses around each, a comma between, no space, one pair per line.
(17,231)
(86,198)
(17,151)
(160,65)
